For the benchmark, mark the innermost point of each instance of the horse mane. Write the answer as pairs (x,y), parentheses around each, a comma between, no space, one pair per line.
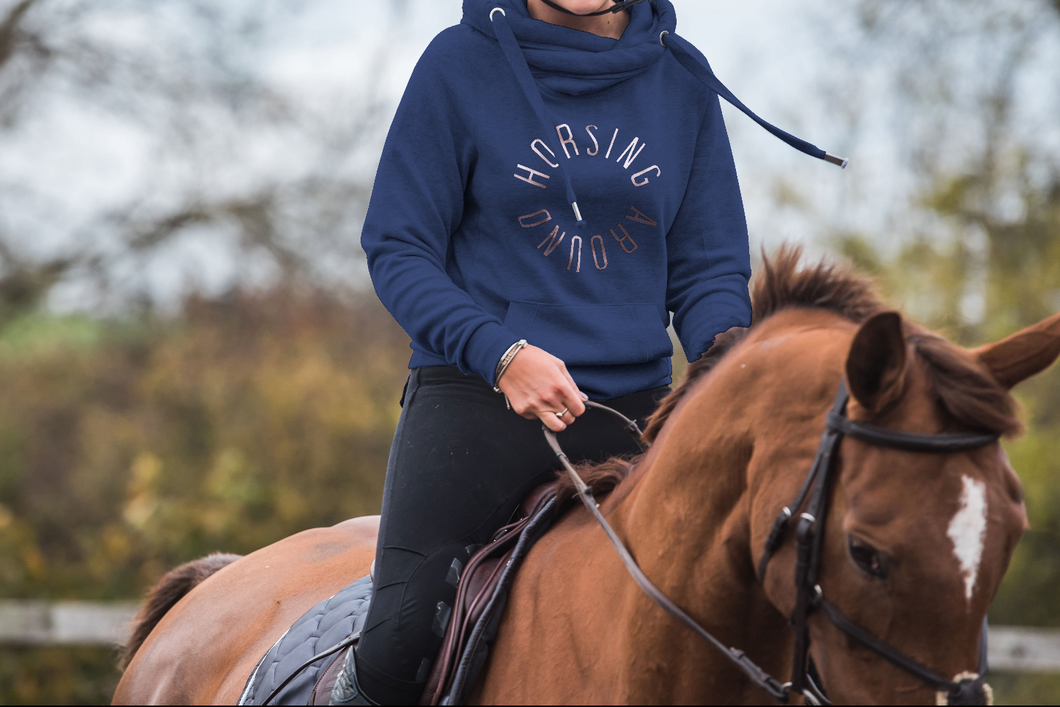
(781,285)
(968,394)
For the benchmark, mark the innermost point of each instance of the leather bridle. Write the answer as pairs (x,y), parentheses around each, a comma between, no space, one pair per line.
(809,537)
(965,689)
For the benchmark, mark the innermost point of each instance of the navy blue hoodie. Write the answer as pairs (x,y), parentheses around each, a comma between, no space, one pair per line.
(545,183)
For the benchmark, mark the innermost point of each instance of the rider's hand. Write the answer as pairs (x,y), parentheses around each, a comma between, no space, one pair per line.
(538,386)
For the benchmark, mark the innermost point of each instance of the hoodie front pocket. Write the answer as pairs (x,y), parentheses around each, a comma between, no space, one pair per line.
(592,334)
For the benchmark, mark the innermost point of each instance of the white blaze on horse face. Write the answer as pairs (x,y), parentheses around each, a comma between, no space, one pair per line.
(968,531)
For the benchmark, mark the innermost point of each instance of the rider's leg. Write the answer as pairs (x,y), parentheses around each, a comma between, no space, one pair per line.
(460,464)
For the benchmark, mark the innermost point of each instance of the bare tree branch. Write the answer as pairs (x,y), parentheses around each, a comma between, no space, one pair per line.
(198,100)
(9,30)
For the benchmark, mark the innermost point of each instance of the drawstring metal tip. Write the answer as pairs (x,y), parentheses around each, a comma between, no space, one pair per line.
(842,162)
(577,213)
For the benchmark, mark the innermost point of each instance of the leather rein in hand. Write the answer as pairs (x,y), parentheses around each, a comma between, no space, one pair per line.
(809,538)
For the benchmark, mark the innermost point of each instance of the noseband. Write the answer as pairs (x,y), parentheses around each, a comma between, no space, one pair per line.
(966,689)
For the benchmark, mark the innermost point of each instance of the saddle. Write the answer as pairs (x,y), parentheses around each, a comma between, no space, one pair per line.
(302,666)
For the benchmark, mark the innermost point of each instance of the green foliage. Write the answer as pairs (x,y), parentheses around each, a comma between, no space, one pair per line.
(1025,689)
(990,276)
(55,676)
(127,450)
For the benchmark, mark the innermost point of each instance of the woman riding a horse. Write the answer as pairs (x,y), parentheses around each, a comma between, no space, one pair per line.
(557,181)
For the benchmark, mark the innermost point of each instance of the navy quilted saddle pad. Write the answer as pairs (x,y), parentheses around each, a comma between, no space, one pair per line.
(325,626)
(288,673)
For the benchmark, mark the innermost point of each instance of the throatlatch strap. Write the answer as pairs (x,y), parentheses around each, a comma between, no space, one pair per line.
(825,452)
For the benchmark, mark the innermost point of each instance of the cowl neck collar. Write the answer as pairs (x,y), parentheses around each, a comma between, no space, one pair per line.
(574,62)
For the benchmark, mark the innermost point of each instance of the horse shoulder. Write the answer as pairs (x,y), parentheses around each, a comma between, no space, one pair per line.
(560,587)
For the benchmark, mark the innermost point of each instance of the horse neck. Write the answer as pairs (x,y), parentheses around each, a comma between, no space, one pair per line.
(693,494)
(686,521)
(689,504)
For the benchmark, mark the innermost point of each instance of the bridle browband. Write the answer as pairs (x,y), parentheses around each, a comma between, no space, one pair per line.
(966,689)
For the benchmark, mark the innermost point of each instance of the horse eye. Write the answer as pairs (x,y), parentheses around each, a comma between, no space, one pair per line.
(867,558)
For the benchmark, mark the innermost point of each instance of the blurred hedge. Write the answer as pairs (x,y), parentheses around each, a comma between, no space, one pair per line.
(58,675)
(126,449)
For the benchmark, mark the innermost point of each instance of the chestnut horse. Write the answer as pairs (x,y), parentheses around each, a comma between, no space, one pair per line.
(914,548)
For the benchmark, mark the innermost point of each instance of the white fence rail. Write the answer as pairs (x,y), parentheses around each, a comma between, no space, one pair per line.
(41,623)
(37,623)
(1025,650)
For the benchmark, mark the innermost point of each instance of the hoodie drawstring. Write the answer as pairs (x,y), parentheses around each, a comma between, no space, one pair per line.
(687,55)
(514,55)
(697,64)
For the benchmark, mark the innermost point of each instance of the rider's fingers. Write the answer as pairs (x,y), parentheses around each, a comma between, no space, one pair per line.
(524,409)
(572,396)
(574,399)
(551,403)
(552,421)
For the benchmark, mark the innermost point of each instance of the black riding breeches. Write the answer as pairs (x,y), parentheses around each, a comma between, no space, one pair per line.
(460,465)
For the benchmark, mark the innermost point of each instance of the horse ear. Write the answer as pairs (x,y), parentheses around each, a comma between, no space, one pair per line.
(877,361)
(1024,354)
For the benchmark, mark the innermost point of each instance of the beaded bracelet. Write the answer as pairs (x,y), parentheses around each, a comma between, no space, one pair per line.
(506,361)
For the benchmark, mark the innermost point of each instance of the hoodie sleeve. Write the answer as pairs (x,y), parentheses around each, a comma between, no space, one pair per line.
(417,203)
(708,256)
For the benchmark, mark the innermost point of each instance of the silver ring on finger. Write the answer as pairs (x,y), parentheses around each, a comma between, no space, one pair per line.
(561,414)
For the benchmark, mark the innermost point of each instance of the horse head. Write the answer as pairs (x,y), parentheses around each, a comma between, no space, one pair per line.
(913,542)
(825,488)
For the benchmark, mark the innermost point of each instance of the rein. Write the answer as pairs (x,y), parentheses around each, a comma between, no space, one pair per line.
(740,659)
(967,688)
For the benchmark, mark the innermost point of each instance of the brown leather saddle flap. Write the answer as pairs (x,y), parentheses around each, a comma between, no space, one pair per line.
(477,587)
(326,682)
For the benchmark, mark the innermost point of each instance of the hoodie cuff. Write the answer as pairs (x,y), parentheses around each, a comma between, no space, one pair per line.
(485,347)
(723,313)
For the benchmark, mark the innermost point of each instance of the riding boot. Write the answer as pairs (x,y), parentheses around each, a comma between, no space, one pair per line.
(347,691)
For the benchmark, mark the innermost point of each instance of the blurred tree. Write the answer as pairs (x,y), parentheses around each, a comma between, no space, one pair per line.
(126,449)
(975,250)
(185,78)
